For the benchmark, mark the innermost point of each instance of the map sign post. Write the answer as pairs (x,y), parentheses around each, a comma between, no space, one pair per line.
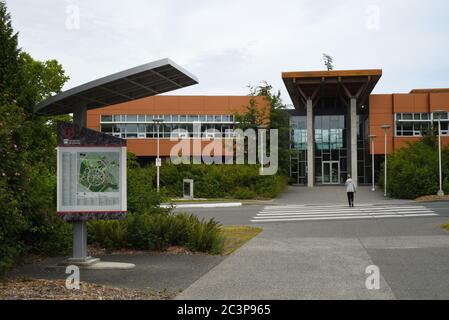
(91,171)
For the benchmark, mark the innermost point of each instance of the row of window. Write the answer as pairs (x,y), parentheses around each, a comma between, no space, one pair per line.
(419,124)
(418,129)
(324,139)
(166,130)
(421,116)
(168,118)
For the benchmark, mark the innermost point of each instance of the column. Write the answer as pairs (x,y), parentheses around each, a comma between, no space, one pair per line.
(79,228)
(353,124)
(310,145)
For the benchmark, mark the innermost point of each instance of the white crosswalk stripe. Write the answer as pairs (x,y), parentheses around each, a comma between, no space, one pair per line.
(338,212)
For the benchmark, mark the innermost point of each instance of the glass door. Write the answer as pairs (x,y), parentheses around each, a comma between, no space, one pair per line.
(331,172)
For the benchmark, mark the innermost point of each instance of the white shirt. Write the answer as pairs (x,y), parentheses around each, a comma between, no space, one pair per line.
(350,187)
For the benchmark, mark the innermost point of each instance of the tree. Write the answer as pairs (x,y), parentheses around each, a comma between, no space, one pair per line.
(27,152)
(328,61)
(277,118)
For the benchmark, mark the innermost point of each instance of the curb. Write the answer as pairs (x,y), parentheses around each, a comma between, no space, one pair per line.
(203,205)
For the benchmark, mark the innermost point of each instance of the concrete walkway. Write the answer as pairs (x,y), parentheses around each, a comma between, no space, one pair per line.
(328,259)
(333,195)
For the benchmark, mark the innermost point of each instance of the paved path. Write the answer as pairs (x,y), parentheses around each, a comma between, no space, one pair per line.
(327,258)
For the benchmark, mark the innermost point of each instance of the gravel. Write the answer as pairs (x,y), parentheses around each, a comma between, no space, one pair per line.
(36,289)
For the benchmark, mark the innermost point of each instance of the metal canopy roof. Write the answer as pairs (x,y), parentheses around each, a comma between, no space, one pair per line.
(339,83)
(146,80)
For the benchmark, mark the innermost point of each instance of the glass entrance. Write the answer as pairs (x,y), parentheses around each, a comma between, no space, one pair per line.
(331,172)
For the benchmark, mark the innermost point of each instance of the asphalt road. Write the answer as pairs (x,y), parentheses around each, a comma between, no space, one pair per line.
(327,259)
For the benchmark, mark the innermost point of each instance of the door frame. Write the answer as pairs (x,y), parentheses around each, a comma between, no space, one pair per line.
(330,163)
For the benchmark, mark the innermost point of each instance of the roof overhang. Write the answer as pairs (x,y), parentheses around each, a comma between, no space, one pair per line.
(436,90)
(344,84)
(146,80)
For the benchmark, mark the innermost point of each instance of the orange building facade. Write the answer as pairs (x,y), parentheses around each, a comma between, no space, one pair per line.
(410,116)
(135,120)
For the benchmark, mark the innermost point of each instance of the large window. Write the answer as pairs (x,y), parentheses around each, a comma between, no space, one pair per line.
(419,124)
(144,126)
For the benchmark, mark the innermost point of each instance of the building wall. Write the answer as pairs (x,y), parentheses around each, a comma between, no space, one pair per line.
(165,105)
(384,106)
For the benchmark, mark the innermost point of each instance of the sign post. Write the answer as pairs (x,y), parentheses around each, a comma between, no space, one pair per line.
(91,171)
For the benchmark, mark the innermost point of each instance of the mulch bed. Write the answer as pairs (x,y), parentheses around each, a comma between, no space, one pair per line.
(433,198)
(56,290)
(98,252)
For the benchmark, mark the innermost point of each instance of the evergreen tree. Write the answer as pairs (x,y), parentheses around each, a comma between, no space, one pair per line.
(27,152)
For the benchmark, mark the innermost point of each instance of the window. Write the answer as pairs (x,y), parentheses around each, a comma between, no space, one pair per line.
(193,118)
(106,118)
(407,116)
(107,128)
(131,118)
(412,124)
(141,118)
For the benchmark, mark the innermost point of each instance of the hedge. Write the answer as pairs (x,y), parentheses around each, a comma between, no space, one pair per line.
(413,171)
(221,181)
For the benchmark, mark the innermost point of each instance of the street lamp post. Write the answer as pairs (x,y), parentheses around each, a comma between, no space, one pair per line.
(385,127)
(440,192)
(372,138)
(262,152)
(158,122)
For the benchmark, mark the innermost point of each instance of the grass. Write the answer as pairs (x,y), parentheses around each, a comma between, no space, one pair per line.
(237,236)
(446,226)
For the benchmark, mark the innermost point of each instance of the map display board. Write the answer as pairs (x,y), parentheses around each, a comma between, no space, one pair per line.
(91,176)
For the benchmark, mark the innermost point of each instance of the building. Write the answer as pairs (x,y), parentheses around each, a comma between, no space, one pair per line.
(335,114)
(134,120)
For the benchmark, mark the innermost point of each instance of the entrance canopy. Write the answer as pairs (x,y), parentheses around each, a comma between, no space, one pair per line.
(347,84)
(146,80)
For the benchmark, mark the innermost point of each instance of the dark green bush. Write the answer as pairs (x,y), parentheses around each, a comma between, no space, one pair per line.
(221,181)
(413,171)
(142,195)
(157,232)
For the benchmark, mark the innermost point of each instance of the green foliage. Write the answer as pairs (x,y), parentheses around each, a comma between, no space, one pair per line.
(221,181)
(157,232)
(413,171)
(276,117)
(28,221)
(142,196)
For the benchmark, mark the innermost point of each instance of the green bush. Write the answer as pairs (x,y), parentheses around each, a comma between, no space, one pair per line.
(221,181)
(142,195)
(413,171)
(157,232)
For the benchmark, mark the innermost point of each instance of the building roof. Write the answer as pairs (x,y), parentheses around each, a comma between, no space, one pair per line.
(302,85)
(146,80)
(439,90)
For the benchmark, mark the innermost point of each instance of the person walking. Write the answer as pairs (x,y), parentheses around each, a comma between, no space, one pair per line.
(350,190)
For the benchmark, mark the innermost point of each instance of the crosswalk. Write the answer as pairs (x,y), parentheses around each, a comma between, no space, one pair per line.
(339,212)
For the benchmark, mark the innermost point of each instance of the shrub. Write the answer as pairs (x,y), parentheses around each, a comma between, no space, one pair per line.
(157,232)
(413,171)
(221,181)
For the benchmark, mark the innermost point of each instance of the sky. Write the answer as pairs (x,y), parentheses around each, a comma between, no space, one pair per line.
(229,44)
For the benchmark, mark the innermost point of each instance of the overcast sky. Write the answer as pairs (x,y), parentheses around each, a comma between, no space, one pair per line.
(229,44)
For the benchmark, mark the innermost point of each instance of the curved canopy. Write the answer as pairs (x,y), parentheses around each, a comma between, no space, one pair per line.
(146,80)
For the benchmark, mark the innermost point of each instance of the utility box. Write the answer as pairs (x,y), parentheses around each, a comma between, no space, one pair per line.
(187,188)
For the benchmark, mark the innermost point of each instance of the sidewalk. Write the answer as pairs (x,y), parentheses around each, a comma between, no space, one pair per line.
(333,195)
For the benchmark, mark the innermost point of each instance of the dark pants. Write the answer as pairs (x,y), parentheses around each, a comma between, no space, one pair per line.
(351,199)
